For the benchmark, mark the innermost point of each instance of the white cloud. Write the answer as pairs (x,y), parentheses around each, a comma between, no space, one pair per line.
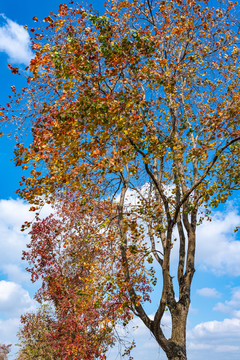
(8,330)
(15,273)
(227,348)
(218,249)
(208,292)
(14,300)
(216,330)
(193,346)
(218,338)
(8,335)
(232,306)
(15,41)
(13,213)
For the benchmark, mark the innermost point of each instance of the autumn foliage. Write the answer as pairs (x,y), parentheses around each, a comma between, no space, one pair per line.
(134,119)
(4,350)
(73,254)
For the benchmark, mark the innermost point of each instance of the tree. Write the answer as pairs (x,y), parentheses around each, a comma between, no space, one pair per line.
(4,350)
(73,325)
(34,335)
(44,334)
(142,101)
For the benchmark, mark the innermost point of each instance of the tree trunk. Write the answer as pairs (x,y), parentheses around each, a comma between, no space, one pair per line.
(176,352)
(175,347)
(178,338)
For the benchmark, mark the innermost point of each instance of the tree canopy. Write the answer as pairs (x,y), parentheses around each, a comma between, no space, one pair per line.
(134,118)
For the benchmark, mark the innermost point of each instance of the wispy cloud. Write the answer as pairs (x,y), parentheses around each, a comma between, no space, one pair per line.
(215,331)
(15,41)
(13,213)
(231,306)
(219,337)
(208,292)
(218,248)
(8,331)
(14,300)
(16,288)
(216,337)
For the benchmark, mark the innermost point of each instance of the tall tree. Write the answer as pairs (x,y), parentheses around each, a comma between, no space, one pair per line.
(35,335)
(82,315)
(140,107)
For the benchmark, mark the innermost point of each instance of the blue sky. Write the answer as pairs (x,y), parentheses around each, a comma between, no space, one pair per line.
(214,318)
